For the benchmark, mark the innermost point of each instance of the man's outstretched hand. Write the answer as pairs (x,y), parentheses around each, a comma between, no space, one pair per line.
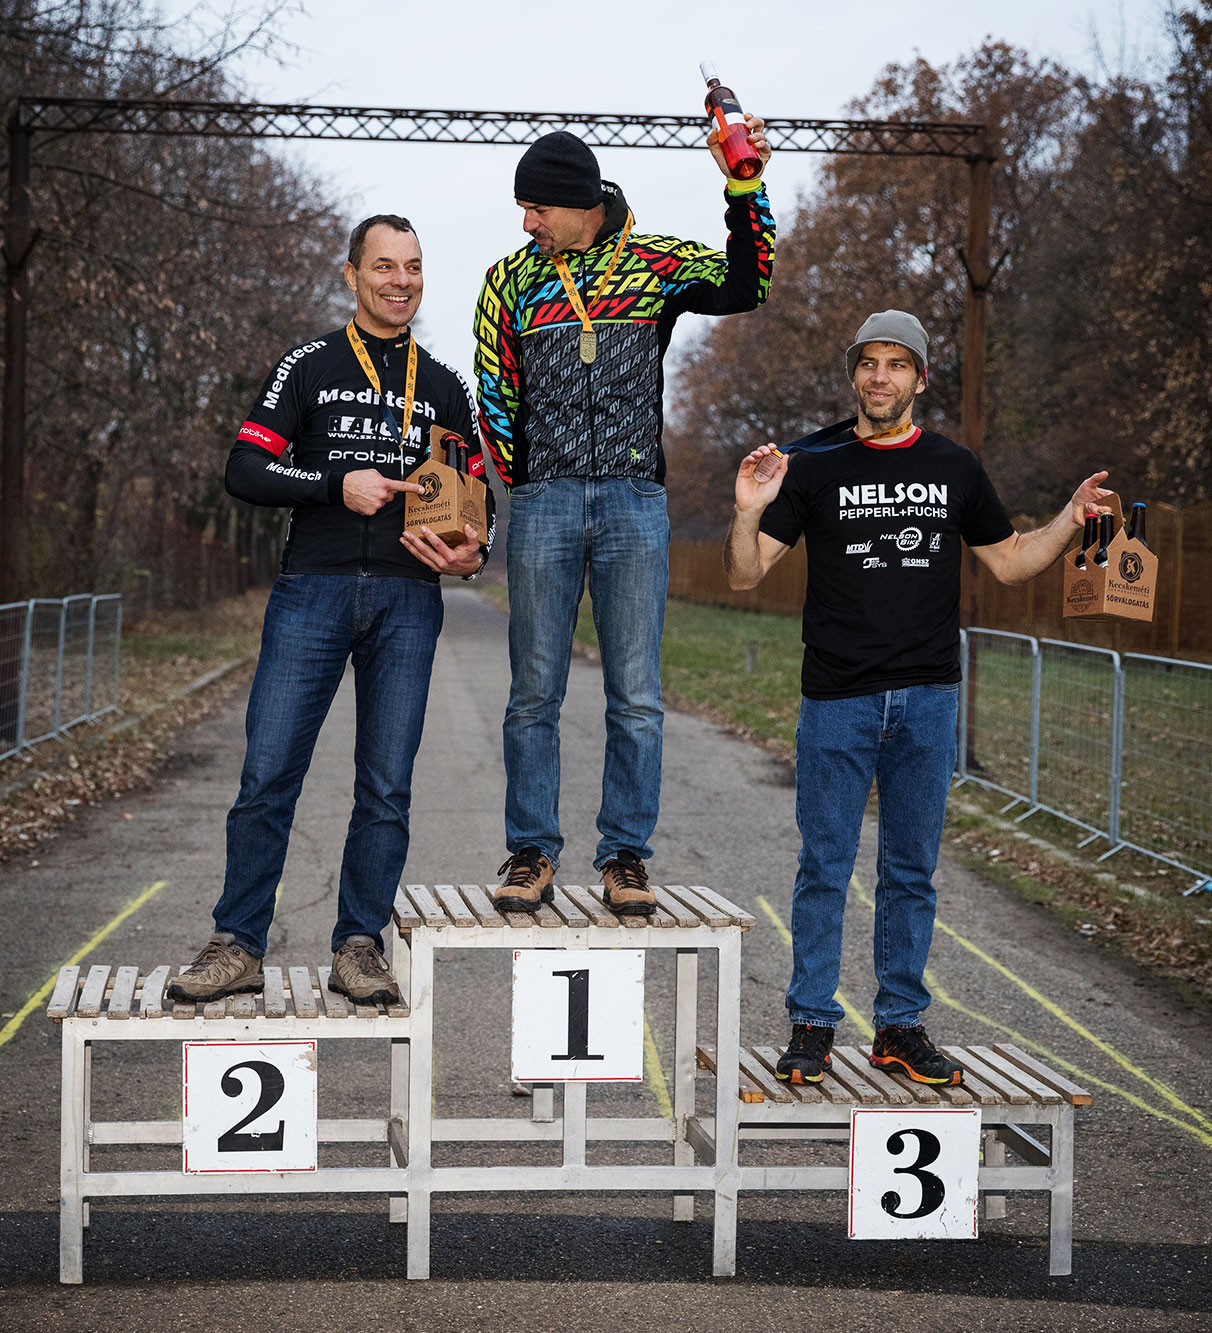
(760,475)
(757,138)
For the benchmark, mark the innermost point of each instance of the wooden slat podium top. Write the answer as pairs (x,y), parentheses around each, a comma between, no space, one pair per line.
(469,907)
(124,992)
(993,1076)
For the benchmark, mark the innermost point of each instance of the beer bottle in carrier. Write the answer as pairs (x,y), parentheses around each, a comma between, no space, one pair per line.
(464,450)
(1136,524)
(451,444)
(1106,525)
(722,107)
(1089,537)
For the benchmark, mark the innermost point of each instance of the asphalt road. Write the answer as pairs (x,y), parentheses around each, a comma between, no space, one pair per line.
(999,966)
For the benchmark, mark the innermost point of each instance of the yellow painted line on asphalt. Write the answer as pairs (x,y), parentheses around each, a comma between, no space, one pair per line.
(656,1075)
(1057,1012)
(39,997)
(1059,1061)
(851,1012)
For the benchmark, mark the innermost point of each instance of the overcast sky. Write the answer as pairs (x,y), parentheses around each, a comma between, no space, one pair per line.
(782,58)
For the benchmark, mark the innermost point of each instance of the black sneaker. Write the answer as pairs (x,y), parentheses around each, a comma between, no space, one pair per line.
(910,1051)
(807,1055)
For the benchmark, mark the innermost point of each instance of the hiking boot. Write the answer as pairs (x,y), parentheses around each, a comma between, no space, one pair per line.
(909,1051)
(807,1055)
(222,968)
(625,886)
(360,971)
(526,882)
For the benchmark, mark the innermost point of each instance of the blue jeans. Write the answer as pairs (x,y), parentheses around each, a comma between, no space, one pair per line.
(617,529)
(905,741)
(313,623)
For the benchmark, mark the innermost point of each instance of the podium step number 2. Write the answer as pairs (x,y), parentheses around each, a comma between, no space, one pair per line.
(249,1106)
(913,1174)
(578,1015)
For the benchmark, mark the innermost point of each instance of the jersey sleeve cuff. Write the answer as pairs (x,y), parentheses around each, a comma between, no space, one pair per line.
(336,489)
(732,186)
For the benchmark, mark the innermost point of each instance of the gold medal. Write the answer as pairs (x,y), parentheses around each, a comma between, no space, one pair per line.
(589,338)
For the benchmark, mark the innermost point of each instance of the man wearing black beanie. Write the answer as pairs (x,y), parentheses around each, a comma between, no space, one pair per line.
(570,335)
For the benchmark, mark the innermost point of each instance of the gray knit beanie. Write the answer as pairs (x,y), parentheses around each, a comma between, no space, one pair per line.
(890,326)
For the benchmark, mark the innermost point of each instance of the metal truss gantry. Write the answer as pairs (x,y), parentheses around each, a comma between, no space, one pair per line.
(251,120)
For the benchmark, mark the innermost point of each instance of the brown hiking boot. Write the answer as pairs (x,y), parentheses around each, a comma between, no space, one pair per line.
(360,971)
(625,886)
(527,882)
(222,968)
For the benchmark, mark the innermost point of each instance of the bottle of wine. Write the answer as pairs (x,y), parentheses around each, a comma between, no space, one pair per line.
(1106,525)
(1089,537)
(723,108)
(1136,524)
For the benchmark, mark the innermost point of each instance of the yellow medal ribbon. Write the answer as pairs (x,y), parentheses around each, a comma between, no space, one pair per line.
(902,429)
(410,383)
(589,337)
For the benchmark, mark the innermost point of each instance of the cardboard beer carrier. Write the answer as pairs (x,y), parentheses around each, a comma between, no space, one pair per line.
(1124,589)
(449,498)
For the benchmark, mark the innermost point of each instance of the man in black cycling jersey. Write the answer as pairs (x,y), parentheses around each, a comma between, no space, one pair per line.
(337,428)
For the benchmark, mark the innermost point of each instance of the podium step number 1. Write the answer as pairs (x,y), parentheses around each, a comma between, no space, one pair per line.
(578,1015)
(249,1106)
(913,1174)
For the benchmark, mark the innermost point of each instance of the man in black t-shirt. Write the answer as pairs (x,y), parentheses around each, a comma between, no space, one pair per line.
(884,508)
(335,433)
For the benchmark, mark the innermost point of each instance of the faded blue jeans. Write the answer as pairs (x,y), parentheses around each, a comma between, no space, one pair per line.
(615,528)
(313,624)
(905,741)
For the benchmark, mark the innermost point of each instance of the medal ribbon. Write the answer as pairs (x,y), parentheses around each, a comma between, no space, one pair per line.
(574,297)
(410,384)
(902,429)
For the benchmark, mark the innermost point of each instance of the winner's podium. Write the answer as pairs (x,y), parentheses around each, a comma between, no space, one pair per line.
(687,921)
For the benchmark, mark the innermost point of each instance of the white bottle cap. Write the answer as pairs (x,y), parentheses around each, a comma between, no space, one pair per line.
(707,69)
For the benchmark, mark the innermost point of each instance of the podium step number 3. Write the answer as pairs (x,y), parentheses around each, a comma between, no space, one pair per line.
(578,1015)
(913,1174)
(249,1106)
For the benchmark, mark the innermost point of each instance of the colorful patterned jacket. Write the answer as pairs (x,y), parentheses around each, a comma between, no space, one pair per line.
(543,412)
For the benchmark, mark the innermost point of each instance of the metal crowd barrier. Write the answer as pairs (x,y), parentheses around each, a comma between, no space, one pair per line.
(1118,744)
(59,666)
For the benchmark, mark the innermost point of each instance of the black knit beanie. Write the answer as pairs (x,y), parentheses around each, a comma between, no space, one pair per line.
(559,170)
